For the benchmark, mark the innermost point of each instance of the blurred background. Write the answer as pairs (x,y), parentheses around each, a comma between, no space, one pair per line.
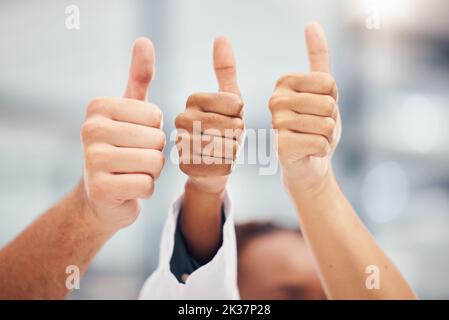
(390,58)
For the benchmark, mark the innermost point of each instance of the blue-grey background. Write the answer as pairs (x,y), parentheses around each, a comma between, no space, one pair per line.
(393,161)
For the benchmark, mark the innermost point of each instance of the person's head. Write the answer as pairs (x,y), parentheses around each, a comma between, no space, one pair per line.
(274,263)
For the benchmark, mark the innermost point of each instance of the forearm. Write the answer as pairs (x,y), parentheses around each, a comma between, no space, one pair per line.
(33,266)
(201,219)
(343,247)
(216,148)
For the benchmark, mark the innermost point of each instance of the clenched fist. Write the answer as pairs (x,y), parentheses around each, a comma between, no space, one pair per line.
(210,130)
(122,142)
(305,113)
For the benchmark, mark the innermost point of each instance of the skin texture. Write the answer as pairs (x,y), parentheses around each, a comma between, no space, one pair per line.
(305,113)
(33,265)
(267,269)
(122,144)
(207,177)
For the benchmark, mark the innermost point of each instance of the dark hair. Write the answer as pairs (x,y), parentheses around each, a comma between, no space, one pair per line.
(248,231)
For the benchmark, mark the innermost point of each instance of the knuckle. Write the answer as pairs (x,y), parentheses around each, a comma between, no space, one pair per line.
(180,120)
(328,126)
(192,100)
(97,106)
(285,79)
(185,168)
(281,120)
(327,83)
(92,130)
(187,118)
(160,139)
(330,105)
(225,169)
(159,160)
(277,101)
(158,115)
(96,157)
(149,187)
(238,124)
(238,101)
(276,121)
(228,168)
(183,140)
(142,76)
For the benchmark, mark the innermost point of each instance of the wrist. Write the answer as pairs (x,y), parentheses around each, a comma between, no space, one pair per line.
(320,199)
(326,185)
(208,185)
(87,215)
(201,218)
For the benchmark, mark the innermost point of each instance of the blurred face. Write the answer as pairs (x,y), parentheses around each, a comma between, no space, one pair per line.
(278,266)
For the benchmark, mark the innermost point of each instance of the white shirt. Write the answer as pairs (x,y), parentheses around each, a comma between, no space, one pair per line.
(215,280)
